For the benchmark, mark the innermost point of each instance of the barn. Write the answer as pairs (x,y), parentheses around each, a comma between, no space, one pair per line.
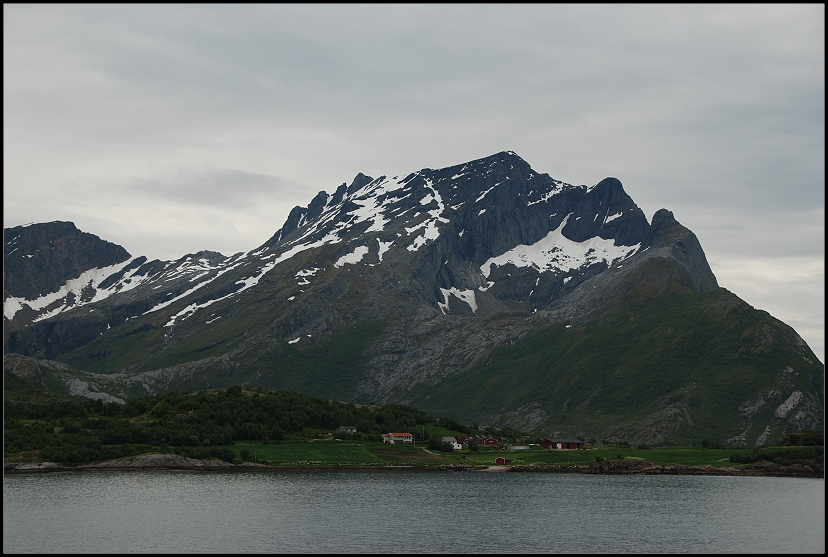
(480,440)
(563,444)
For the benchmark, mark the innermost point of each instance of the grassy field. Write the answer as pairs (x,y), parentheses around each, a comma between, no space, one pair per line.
(303,452)
(398,455)
(675,455)
(325,452)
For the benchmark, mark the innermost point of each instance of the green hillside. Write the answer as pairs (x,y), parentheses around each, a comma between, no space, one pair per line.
(708,352)
(664,370)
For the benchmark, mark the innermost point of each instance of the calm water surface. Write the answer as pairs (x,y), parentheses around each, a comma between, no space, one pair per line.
(410,512)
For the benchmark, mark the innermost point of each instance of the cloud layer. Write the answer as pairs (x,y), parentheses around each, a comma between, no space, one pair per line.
(171,129)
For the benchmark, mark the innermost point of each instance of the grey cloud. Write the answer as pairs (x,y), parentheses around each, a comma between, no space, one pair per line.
(235,189)
(228,115)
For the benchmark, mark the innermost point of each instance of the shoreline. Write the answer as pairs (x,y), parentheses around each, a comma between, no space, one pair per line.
(168,462)
(645,468)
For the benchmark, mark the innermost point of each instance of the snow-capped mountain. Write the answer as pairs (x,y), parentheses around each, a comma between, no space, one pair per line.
(485,216)
(424,277)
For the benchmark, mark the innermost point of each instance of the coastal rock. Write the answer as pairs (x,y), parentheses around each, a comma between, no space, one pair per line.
(31,466)
(639,467)
(460,467)
(158,461)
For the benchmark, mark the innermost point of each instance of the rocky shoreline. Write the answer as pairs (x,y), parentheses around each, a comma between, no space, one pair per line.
(610,467)
(176,462)
(639,467)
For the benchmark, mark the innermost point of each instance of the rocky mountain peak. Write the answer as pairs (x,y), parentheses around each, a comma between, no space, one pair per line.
(663,219)
(39,258)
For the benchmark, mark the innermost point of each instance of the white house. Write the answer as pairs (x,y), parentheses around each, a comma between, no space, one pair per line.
(453,442)
(394,438)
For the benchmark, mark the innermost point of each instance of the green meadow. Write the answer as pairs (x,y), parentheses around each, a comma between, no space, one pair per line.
(305,453)
(333,452)
(689,456)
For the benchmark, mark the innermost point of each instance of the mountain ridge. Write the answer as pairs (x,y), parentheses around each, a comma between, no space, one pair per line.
(413,281)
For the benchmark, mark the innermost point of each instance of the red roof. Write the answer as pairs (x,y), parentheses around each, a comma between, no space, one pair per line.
(401,434)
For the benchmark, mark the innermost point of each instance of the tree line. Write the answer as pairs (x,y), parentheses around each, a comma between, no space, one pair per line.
(195,424)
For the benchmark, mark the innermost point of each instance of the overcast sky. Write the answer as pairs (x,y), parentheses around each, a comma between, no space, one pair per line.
(169,129)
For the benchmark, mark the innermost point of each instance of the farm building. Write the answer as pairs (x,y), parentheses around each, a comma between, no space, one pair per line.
(555,444)
(481,440)
(453,442)
(501,460)
(395,438)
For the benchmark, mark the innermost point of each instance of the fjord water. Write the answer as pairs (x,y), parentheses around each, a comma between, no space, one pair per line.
(410,512)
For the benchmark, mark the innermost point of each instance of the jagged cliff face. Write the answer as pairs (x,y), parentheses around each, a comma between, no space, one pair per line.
(40,258)
(389,290)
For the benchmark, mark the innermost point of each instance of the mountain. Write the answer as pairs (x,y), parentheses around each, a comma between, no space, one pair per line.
(484,291)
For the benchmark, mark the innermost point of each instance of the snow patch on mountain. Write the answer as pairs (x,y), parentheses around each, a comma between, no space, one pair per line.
(164,304)
(11,306)
(556,252)
(189,310)
(331,237)
(431,230)
(192,308)
(199,267)
(545,196)
(488,285)
(353,257)
(370,206)
(465,295)
(482,195)
(305,274)
(383,247)
(78,291)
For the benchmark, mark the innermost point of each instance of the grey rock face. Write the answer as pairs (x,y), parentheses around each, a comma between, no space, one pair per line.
(40,258)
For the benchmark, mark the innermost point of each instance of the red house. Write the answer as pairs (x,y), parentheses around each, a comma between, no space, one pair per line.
(556,444)
(482,441)
(487,441)
(501,460)
(464,439)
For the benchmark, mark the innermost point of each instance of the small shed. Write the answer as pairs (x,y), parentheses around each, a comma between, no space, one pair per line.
(502,460)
